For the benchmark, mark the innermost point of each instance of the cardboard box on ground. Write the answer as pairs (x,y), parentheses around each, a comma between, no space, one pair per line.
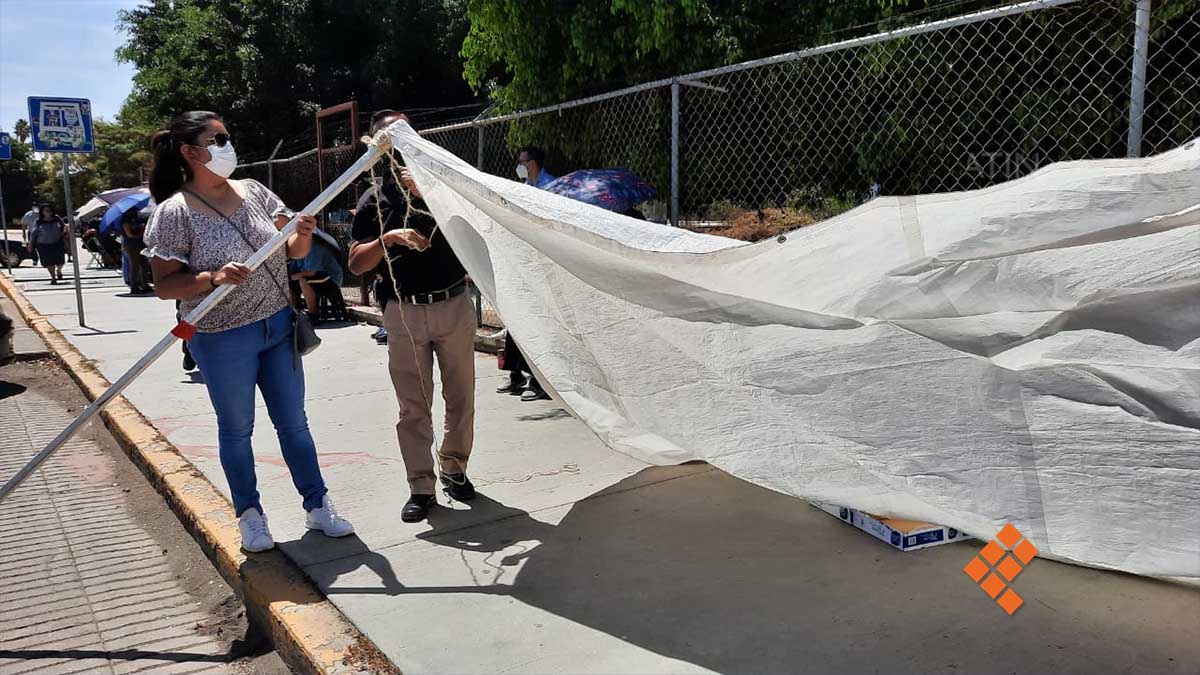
(902,535)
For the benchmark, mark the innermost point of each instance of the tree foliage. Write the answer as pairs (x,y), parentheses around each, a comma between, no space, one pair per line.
(955,109)
(121,159)
(528,53)
(268,65)
(20,175)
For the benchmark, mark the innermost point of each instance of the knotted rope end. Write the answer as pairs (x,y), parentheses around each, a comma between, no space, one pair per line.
(380,140)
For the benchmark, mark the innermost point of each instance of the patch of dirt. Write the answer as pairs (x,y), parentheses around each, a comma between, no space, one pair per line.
(365,655)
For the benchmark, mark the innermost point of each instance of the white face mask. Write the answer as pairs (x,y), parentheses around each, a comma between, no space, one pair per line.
(223,159)
(523,172)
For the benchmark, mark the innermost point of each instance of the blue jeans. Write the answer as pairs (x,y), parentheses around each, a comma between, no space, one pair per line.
(233,362)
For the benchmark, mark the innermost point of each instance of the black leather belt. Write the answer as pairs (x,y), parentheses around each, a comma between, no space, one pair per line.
(436,296)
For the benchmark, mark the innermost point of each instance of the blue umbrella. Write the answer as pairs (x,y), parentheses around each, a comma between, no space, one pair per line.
(101,202)
(613,189)
(114,214)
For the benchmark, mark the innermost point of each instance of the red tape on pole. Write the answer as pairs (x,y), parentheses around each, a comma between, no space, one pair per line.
(184,330)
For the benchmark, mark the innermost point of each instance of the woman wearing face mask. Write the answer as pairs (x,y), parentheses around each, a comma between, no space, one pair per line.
(48,236)
(205,225)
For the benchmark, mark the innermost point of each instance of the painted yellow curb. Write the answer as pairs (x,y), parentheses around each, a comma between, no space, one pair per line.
(311,635)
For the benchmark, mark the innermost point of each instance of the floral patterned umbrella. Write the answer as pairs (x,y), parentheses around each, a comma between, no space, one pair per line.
(613,189)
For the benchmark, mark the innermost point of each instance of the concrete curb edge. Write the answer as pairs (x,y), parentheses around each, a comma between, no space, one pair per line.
(309,632)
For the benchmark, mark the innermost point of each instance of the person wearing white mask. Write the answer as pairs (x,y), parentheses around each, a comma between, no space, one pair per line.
(203,229)
(521,379)
(531,169)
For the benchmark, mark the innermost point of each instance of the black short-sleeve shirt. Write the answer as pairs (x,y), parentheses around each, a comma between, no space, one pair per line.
(434,269)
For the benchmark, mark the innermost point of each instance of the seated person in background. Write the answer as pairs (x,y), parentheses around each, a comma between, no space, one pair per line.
(321,265)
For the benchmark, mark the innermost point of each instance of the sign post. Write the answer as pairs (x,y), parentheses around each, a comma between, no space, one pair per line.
(5,153)
(64,125)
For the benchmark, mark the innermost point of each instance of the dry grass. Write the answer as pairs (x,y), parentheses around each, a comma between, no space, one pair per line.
(762,224)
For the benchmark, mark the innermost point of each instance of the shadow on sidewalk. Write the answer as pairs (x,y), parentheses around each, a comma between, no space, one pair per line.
(353,553)
(685,568)
(254,643)
(8,389)
(713,571)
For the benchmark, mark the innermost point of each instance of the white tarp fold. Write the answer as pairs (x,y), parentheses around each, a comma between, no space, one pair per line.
(1027,353)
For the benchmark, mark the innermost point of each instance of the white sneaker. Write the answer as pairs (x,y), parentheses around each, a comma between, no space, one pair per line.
(256,537)
(326,519)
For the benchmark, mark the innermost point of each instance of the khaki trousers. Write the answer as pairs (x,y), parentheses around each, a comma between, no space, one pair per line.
(446,329)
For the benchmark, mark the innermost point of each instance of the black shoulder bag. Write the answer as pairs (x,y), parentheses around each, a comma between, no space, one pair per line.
(304,337)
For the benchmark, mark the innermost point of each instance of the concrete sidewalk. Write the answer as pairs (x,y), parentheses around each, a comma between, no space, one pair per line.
(580,559)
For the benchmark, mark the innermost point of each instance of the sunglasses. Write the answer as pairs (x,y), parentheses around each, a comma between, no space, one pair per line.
(219,140)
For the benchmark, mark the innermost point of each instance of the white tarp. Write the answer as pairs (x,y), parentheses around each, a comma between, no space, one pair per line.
(1027,353)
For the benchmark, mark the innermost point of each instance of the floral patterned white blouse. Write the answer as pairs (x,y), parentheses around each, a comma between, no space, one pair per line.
(206,242)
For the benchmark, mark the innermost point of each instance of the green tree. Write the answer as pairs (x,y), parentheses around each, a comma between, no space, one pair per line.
(268,65)
(121,159)
(21,175)
(527,53)
(21,130)
(955,109)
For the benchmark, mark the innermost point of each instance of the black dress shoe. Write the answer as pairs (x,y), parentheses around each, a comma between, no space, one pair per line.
(458,486)
(417,507)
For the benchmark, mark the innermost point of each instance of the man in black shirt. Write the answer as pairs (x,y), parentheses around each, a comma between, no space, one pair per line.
(426,311)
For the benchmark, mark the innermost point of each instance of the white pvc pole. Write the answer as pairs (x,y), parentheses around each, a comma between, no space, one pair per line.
(370,157)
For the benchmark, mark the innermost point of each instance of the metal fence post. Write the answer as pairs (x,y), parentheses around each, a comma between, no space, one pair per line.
(479,151)
(271,166)
(477,296)
(675,153)
(73,235)
(1137,87)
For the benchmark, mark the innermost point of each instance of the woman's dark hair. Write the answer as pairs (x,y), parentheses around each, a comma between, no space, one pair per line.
(170,171)
(43,207)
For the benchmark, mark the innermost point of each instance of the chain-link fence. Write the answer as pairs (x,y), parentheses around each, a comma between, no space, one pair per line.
(954,104)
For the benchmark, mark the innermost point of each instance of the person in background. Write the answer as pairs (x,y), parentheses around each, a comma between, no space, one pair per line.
(320,266)
(531,167)
(27,222)
(521,380)
(189,364)
(204,226)
(132,243)
(49,238)
(433,315)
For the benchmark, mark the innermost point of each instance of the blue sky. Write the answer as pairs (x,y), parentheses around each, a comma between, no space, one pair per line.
(61,48)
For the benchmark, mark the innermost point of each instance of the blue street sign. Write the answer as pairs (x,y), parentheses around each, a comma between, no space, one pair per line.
(5,146)
(61,124)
